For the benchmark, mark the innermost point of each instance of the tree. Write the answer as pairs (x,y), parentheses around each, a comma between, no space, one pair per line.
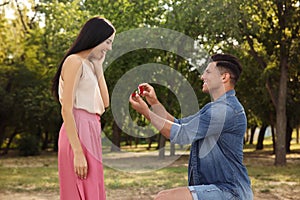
(25,83)
(126,15)
(267,30)
(263,34)
(271,28)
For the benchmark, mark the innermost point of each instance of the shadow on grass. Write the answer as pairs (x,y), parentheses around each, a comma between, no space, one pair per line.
(36,175)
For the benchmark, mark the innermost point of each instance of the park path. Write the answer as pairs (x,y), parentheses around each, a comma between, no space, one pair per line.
(284,192)
(124,195)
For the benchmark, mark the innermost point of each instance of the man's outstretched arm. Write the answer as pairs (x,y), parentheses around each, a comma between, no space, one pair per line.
(157,115)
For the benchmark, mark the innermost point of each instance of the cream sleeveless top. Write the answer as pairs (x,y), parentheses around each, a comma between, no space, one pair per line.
(87,93)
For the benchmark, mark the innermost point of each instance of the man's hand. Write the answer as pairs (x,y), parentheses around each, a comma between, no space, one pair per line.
(139,105)
(158,117)
(149,94)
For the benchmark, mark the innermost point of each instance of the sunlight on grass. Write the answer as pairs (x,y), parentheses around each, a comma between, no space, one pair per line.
(167,177)
(272,178)
(29,178)
(39,174)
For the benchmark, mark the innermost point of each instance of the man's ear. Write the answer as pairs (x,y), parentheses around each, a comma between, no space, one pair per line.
(226,77)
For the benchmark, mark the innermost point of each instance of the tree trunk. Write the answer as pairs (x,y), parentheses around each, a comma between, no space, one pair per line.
(2,135)
(12,136)
(246,136)
(297,135)
(158,139)
(116,138)
(289,131)
(136,141)
(261,137)
(150,141)
(280,151)
(172,150)
(45,141)
(55,146)
(149,144)
(128,140)
(273,139)
(253,128)
(56,136)
(162,144)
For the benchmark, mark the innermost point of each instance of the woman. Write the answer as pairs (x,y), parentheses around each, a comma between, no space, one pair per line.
(80,86)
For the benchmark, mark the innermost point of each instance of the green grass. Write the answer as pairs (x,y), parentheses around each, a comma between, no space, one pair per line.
(164,178)
(26,178)
(20,179)
(265,178)
(39,174)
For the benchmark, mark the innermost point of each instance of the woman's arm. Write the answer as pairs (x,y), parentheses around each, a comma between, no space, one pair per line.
(98,66)
(103,91)
(71,72)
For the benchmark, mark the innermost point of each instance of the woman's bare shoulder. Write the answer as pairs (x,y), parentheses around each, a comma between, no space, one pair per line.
(73,59)
(72,65)
(73,62)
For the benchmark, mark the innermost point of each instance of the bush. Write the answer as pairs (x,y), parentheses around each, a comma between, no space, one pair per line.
(29,145)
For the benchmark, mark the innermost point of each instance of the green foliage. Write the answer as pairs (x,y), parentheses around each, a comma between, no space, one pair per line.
(29,145)
(254,31)
(31,47)
(24,81)
(32,175)
(128,14)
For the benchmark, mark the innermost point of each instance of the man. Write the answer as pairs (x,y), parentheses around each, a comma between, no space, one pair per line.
(216,133)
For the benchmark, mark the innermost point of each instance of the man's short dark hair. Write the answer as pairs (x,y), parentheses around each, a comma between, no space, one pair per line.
(227,62)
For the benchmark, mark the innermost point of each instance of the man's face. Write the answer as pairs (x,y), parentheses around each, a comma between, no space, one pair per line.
(212,79)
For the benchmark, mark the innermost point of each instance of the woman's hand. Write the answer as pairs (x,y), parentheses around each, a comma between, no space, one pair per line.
(80,165)
(98,65)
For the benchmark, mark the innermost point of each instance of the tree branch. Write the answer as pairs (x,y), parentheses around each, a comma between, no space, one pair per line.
(271,92)
(260,60)
(5,3)
(21,17)
(34,16)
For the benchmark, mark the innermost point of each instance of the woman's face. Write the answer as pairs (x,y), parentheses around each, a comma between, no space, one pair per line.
(99,51)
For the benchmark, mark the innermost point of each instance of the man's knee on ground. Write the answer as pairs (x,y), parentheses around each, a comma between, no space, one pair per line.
(174,194)
(162,195)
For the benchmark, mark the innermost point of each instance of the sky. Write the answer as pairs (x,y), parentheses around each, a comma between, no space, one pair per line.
(9,13)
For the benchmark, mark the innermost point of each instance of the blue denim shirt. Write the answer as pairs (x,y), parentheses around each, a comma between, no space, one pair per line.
(216,136)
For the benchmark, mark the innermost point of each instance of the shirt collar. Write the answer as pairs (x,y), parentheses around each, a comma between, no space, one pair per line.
(226,95)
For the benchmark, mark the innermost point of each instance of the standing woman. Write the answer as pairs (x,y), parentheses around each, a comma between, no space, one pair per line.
(80,86)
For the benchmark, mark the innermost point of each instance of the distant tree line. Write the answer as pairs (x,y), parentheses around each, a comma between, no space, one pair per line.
(263,34)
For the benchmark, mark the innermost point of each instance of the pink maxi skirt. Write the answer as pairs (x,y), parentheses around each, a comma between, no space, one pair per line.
(71,187)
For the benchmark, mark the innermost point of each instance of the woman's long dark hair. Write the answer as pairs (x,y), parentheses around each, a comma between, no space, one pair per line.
(94,31)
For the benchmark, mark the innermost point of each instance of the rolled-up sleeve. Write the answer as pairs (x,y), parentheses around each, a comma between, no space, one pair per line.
(208,121)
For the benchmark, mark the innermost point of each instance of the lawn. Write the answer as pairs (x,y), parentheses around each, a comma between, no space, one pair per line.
(27,178)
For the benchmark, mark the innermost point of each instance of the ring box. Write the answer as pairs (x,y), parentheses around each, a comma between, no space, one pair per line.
(139,91)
